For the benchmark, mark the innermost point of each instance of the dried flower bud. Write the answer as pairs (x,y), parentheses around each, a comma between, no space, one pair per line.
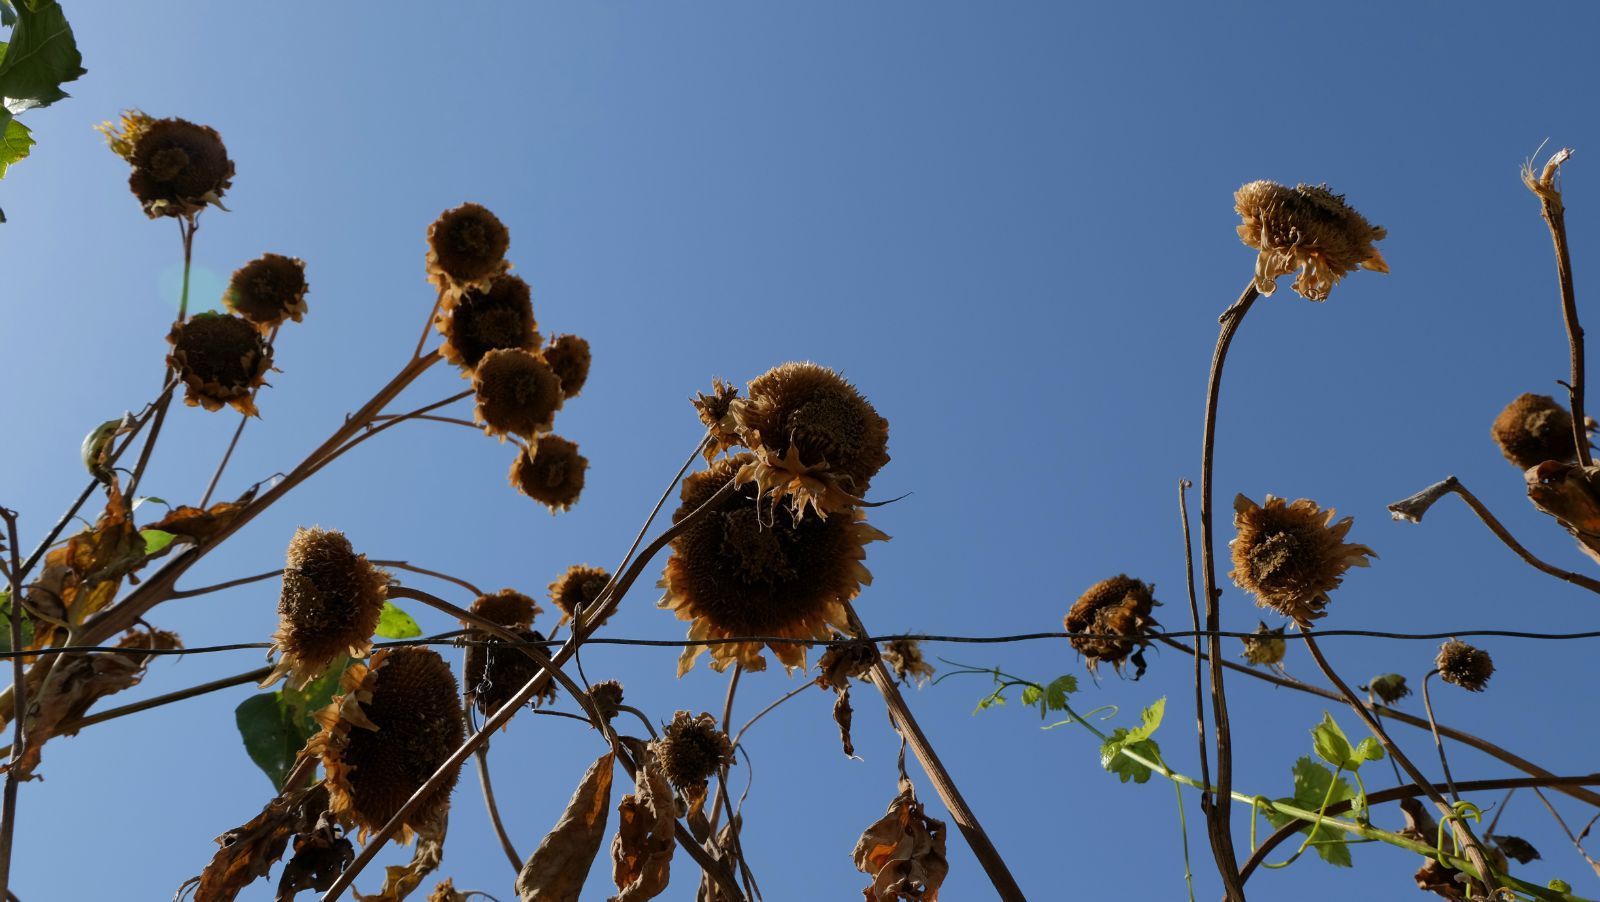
(1533,429)
(690,750)
(1463,665)
(222,360)
(268,290)
(607,698)
(508,608)
(1290,555)
(330,604)
(716,412)
(904,658)
(1307,228)
(568,356)
(551,472)
(467,247)
(1266,648)
(494,673)
(1388,688)
(579,588)
(517,393)
(178,166)
(496,317)
(1121,606)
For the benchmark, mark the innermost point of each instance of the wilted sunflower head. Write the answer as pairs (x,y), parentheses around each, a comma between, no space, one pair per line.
(568,356)
(1388,688)
(178,166)
(268,290)
(814,438)
(844,659)
(493,672)
(480,320)
(551,472)
(1290,555)
(904,658)
(467,247)
(1464,666)
(1308,228)
(690,750)
(740,571)
(716,411)
(397,721)
(507,607)
(579,587)
(330,604)
(1120,606)
(517,393)
(222,360)
(607,698)
(1266,648)
(1533,429)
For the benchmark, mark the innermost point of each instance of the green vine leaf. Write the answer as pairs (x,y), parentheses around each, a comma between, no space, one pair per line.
(1334,747)
(275,725)
(156,541)
(41,57)
(15,142)
(394,623)
(1312,784)
(1137,741)
(1052,697)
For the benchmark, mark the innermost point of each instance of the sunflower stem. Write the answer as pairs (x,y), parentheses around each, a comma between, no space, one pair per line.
(482,755)
(1433,727)
(19,702)
(1555,215)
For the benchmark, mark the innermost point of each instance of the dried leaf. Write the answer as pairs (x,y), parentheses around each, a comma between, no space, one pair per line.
(400,880)
(903,852)
(842,715)
(556,870)
(843,660)
(197,525)
(720,850)
(1441,880)
(446,892)
(1571,494)
(641,853)
(249,851)
(319,858)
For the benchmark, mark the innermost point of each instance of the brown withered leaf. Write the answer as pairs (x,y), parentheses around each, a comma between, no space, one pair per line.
(446,892)
(720,850)
(1441,880)
(1571,494)
(1514,847)
(556,870)
(641,853)
(400,879)
(843,660)
(197,525)
(83,576)
(903,852)
(842,715)
(319,858)
(249,851)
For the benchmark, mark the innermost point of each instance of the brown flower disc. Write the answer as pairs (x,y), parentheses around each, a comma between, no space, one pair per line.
(517,393)
(178,167)
(553,474)
(578,587)
(1120,605)
(569,356)
(810,415)
(507,607)
(1533,429)
(479,320)
(493,672)
(268,290)
(222,360)
(467,244)
(329,605)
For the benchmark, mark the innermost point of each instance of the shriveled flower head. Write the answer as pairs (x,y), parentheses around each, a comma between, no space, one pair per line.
(607,698)
(550,471)
(1533,429)
(740,571)
(815,439)
(904,658)
(507,607)
(1463,665)
(494,672)
(268,290)
(178,167)
(467,247)
(1308,228)
(844,659)
(398,720)
(1290,555)
(716,412)
(690,750)
(517,393)
(568,356)
(222,360)
(1266,648)
(1120,606)
(481,320)
(121,136)
(579,587)
(1388,688)
(329,606)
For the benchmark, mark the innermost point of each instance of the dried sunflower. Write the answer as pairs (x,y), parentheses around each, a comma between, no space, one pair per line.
(178,166)
(398,720)
(480,320)
(517,393)
(122,135)
(690,750)
(1290,555)
(716,411)
(733,573)
(1309,228)
(904,657)
(1266,648)
(507,607)
(569,357)
(1464,666)
(551,472)
(494,673)
(467,247)
(330,604)
(268,290)
(579,586)
(222,360)
(814,438)
(1533,429)
(1120,605)
(607,698)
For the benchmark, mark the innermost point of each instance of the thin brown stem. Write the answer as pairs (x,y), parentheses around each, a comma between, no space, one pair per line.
(238,431)
(1433,727)
(482,755)
(241,581)
(1206,801)
(402,565)
(1219,816)
(1577,841)
(19,703)
(722,772)
(610,586)
(427,326)
(456,421)
(1555,215)
(966,821)
(768,709)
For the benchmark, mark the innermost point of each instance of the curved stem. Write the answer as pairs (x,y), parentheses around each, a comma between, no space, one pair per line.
(768,709)
(1555,215)
(1194,618)
(19,702)
(722,771)
(494,810)
(1433,727)
(241,581)
(402,565)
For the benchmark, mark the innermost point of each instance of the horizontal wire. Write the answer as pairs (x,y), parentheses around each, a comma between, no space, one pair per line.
(454,638)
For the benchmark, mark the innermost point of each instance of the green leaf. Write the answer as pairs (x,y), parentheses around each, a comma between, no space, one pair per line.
(992,700)
(156,541)
(5,624)
(271,737)
(316,695)
(8,16)
(1052,697)
(1333,747)
(42,56)
(1368,749)
(1149,720)
(15,142)
(138,502)
(1112,759)
(394,623)
(1312,784)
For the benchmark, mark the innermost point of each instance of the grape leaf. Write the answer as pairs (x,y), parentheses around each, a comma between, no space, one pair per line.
(1137,741)
(1311,787)
(42,56)
(156,540)
(1052,697)
(15,141)
(1333,747)
(394,623)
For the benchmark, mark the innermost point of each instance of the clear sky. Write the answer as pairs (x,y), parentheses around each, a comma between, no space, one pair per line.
(1010,224)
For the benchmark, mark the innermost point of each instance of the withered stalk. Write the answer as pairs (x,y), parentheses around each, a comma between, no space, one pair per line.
(1555,215)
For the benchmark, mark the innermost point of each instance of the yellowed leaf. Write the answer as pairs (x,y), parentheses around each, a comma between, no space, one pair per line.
(641,853)
(555,872)
(903,852)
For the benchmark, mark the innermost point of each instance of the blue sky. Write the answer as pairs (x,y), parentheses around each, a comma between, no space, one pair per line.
(1009,224)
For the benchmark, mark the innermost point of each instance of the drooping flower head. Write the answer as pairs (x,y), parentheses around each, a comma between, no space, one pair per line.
(690,750)
(517,393)
(330,605)
(551,472)
(398,720)
(741,571)
(607,698)
(467,247)
(1464,666)
(480,320)
(569,357)
(1120,608)
(268,290)
(178,166)
(1533,429)
(1308,228)
(222,360)
(578,588)
(1290,555)
(815,440)
(493,672)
